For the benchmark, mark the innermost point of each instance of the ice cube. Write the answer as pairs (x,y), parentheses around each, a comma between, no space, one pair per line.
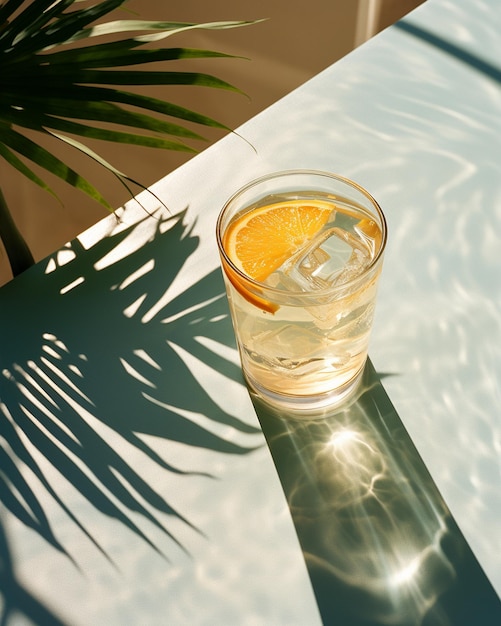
(335,251)
(284,348)
(331,258)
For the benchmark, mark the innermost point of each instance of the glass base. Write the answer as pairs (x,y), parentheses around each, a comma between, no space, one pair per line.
(306,404)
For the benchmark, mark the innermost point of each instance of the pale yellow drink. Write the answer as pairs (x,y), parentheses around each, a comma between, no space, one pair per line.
(303,330)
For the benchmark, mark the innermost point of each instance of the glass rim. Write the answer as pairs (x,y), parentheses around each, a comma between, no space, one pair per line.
(319,293)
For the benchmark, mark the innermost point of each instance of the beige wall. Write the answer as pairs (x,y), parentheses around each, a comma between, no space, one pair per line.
(296,41)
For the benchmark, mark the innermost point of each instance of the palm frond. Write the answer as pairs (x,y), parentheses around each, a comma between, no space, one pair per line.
(124,54)
(43,23)
(42,157)
(122,177)
(62,90)
(19,165)
(41,121)
(51,88)
(29,110)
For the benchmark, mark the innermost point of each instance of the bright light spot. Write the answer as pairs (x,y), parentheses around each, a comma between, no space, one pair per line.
(132,309)
(135,374)
(51,266)
(51,352)
(144,269)
(72,285)
(406,574)
(342,437)
(142,354)
(65,256)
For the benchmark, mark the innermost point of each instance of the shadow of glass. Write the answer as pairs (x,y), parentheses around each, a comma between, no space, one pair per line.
(380,545)
(84,377)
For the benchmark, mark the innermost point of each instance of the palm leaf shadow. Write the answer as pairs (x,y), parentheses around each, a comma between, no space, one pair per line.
(78,375)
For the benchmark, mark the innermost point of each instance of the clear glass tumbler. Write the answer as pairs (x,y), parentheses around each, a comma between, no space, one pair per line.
(301,253)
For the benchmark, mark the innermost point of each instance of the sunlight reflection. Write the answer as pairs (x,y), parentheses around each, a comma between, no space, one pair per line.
(374,505)
(338,439)
(375,532)
(407,573)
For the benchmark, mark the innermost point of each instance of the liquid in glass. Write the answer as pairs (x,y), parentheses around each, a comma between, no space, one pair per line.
(303,331)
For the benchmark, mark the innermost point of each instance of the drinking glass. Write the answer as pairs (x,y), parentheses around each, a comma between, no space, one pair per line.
(301,253)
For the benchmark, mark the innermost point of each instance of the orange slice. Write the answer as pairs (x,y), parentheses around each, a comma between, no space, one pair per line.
(258,242)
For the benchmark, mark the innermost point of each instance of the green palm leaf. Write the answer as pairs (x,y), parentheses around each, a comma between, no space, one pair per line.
(46,86)
(16,162)
(123,53)
(53,88)
(42,157)
(31,109)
